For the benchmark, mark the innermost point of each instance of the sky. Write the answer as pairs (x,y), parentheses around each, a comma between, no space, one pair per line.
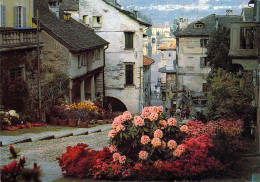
(164,11)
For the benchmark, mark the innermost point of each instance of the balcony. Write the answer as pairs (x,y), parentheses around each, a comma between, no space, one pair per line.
(243,42)
(14,38)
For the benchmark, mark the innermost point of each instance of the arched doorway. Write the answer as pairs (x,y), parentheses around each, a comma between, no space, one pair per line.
(117,105)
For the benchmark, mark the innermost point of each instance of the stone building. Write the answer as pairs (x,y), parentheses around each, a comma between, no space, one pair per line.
(74,56)
(192,60)
(124,56)
(18,57)
(167,68)
(147,80)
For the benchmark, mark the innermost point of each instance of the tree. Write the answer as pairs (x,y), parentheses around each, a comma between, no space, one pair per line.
(218,49)
(231,95)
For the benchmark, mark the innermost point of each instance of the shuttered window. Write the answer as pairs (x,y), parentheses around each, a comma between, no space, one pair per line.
(20,16)
(3,16)
(203,62)
(129,74)
(16,74)
(129,40)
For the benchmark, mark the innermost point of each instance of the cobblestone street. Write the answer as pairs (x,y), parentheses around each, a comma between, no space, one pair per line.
(45,152)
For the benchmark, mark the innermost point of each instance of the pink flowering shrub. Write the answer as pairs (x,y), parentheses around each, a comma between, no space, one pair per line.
(149,147)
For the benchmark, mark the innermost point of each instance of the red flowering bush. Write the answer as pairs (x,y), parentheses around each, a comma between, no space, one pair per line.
(148,147)
(15,171)
(21,126)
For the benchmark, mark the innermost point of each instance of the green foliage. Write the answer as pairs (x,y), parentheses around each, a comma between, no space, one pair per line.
(218,49)
(230,95)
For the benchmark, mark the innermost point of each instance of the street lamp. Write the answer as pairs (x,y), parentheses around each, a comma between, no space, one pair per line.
(66,15)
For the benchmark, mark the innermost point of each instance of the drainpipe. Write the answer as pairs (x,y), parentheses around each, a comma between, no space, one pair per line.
(104,92)
(140,91)
(257,11)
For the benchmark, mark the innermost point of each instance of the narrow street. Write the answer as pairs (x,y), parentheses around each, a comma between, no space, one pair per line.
(44,153)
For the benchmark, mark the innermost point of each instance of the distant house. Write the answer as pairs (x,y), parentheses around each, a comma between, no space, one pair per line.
(167,68)
(147,80)
(74,56)
(191,57)
(124,56)
(18,57)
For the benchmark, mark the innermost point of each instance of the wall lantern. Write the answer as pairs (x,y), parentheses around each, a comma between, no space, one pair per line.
(66,15)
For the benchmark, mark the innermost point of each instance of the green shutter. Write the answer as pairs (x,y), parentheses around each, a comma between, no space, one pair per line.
(3,17)
(24,16)
(129,74)
(16,16)
(202,62)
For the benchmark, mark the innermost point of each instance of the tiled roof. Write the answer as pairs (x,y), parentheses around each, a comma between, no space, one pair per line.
(249,14)
(70,5)
(209,25)
(148,61)
(171,45)
(72,34)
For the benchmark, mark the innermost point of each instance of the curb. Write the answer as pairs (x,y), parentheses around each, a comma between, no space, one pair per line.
(55,136)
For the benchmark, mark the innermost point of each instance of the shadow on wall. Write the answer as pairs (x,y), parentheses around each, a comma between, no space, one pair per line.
(117,105)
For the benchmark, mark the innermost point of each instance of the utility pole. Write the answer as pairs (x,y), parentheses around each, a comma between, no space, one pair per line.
(39,70)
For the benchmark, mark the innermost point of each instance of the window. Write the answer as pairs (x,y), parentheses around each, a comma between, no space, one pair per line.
(82,60)
(203,62)
(204,87)
(2,15)
(16,74)
(85,19)
(129,74)
(129,40)
(247,38)
(198,25)
(20,16)
(203,42)
(97,21)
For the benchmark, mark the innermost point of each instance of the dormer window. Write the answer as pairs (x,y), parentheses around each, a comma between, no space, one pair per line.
(198,25)
(85,19)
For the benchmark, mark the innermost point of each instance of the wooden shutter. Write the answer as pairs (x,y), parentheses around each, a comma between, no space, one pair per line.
(128,40)
(129,74)
(202,62)
(16,16)
(24,16)
(3,15)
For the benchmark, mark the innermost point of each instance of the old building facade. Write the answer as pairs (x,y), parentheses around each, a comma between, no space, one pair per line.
(192,60)
(124,56)
(18,57)
(74,56)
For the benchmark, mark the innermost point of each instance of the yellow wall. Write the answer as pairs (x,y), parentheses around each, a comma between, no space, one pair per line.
(10,4)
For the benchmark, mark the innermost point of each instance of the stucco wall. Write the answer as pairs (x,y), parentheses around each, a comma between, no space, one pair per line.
(114,24)
(190,72)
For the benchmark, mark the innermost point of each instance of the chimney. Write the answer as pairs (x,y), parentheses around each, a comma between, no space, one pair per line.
(229,12)
(181,19)
(135,13)
(216,23)
(55,7)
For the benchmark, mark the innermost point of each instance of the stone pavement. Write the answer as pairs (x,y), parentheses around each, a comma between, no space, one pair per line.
(29,137)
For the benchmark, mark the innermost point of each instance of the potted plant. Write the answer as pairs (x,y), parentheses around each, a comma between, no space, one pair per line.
(83,116)
(54,120)
(73,117)
(63,121)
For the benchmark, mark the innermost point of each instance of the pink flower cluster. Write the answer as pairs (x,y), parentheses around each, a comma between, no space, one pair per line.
(145,139)
(179,150)
(152,112)
(163,124)
(156,142)
(112,148)
(153,116)
(120,158)
(172,122)
(112,133)
(120,128)
(127,115)
(143,155)
(184,128)
(172,144)
(158,133)
(138,121)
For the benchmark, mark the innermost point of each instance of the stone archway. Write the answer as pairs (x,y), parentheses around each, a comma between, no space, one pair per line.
(117,105)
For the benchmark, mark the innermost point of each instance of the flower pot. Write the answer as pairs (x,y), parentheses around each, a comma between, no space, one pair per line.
(99,121)
(54,121)
(92,122)
(63,122)
(83,124)
(73,122)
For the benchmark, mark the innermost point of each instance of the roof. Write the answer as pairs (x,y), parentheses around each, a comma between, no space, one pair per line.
(148,61)
(248,14)
(209,25)
(171,45)
(163,70)
(73,35)
(70,5)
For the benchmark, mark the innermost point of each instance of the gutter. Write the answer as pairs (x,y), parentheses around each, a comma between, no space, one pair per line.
(104,92)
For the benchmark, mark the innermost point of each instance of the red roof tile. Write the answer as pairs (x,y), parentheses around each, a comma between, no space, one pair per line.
(148,61)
